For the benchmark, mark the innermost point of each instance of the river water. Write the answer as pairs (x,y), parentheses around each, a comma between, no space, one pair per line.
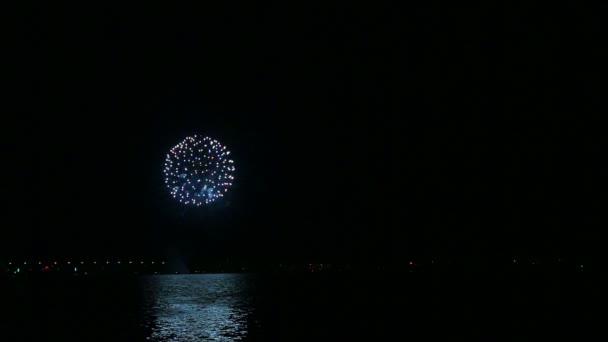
(249,307)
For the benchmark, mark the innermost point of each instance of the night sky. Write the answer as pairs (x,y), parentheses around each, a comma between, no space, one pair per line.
(357,132)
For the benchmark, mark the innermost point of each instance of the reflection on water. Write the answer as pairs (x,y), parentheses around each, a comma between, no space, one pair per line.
(297,307)
(208,307)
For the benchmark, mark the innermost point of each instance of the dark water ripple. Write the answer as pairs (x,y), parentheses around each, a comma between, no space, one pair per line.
(306,307)
(197,307)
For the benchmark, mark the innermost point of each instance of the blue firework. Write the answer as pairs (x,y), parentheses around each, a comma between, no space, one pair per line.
(198,171)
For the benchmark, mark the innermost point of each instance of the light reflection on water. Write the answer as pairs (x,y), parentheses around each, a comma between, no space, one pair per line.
(207,307)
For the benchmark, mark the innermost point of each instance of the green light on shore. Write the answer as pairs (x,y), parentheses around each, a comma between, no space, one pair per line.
(75,269)
(18,270)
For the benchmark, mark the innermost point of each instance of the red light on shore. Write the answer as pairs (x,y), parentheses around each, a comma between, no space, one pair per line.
(46,267)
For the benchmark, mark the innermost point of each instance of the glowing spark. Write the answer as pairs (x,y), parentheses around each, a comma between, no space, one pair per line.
(191,181)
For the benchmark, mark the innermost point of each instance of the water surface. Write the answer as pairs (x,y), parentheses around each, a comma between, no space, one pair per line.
(303,307)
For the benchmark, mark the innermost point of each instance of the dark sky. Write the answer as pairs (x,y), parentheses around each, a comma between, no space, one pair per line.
(363,132)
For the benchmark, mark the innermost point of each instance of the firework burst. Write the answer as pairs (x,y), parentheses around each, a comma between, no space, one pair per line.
(198,171)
